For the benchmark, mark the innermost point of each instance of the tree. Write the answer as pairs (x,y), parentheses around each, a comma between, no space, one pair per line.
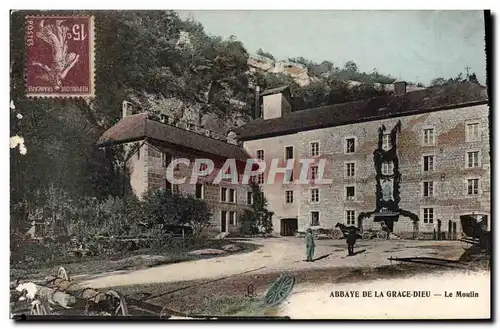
(437,81)
(162,207)
(351,66)
(258,218)
(473,78)
(265,54)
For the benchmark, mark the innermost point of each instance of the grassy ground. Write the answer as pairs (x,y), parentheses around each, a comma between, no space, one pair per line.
(138,259)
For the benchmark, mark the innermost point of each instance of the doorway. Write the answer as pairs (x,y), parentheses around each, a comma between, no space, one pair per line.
(289,226)
(223,221)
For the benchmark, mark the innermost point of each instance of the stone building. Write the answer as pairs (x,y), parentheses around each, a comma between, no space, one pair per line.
(152,145)
(412,159)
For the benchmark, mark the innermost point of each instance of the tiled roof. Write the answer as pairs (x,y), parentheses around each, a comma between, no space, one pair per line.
(138,126)
(419,101)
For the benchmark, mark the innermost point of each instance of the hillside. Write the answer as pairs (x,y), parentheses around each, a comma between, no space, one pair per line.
(154,61)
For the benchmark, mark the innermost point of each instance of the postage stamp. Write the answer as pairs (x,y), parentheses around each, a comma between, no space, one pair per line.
(60,56)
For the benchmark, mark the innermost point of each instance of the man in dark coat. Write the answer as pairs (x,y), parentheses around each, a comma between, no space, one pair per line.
(351,241)
(309,245)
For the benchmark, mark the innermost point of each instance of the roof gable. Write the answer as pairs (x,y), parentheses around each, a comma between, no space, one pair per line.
(139,126)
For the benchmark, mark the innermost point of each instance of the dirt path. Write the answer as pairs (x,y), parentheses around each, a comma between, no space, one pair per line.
(282,254)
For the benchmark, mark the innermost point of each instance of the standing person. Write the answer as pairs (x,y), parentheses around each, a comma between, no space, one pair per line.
(351,241)
(309,245)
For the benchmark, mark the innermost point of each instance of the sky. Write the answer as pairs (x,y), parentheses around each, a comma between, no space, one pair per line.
(415,46)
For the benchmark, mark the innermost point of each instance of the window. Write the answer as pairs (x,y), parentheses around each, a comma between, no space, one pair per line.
(223,194)
(314,218)
(199,191)
(315,195)
(232,195)
(260,155)
(314,149)
(232,218)
(175,189)
(260,179)
(473,186)
(472,132)
(473,159)
(249,197)
(223,216)
(288,152)
(288,197)
(350,145)
(138,153)
(428,162)
(350,192)
(429,136)
(387,168)
(350,169)
(386,141)
(428,189)
(165,160)
(314,172)
(227,194)
(428,215)
(350,217)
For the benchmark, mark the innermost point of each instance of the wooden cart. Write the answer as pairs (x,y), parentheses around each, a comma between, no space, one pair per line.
(58,295)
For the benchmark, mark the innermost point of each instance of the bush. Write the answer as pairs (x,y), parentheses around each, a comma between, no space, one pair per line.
(161,207)
(258,219)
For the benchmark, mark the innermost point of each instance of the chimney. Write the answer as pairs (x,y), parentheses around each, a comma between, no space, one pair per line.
(127,109)
(257,112)
(276,102)
(399,88)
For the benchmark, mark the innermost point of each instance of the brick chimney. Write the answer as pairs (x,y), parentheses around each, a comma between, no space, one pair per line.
(276,102)
(399,88)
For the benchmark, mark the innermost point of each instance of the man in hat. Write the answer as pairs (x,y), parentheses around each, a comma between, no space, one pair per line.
(309,245)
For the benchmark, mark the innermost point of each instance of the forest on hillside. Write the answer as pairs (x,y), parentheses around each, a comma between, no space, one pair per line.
(139,51)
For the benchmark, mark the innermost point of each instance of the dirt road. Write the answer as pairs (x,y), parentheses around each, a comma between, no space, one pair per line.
(282,254)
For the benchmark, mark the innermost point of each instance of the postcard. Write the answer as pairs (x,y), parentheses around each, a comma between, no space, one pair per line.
(250,164)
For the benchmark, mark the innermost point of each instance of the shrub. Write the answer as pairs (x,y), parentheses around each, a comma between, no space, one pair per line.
(161,207)
(258,218)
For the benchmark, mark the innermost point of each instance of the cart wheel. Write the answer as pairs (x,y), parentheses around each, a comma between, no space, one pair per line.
(63,274)
(381,235)
(366,236)
(279,290)
(336,234)
(38,308)
(121,307)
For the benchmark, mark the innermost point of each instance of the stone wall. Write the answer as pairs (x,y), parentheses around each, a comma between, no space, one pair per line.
(449,177)
(156,174)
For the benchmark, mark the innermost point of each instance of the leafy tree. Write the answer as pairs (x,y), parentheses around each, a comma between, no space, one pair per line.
(161,207)
(351,66)
(258,218)
(438,81)
(265,54)
(473,78)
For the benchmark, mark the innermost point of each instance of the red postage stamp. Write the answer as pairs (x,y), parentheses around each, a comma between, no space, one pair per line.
(60,56)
